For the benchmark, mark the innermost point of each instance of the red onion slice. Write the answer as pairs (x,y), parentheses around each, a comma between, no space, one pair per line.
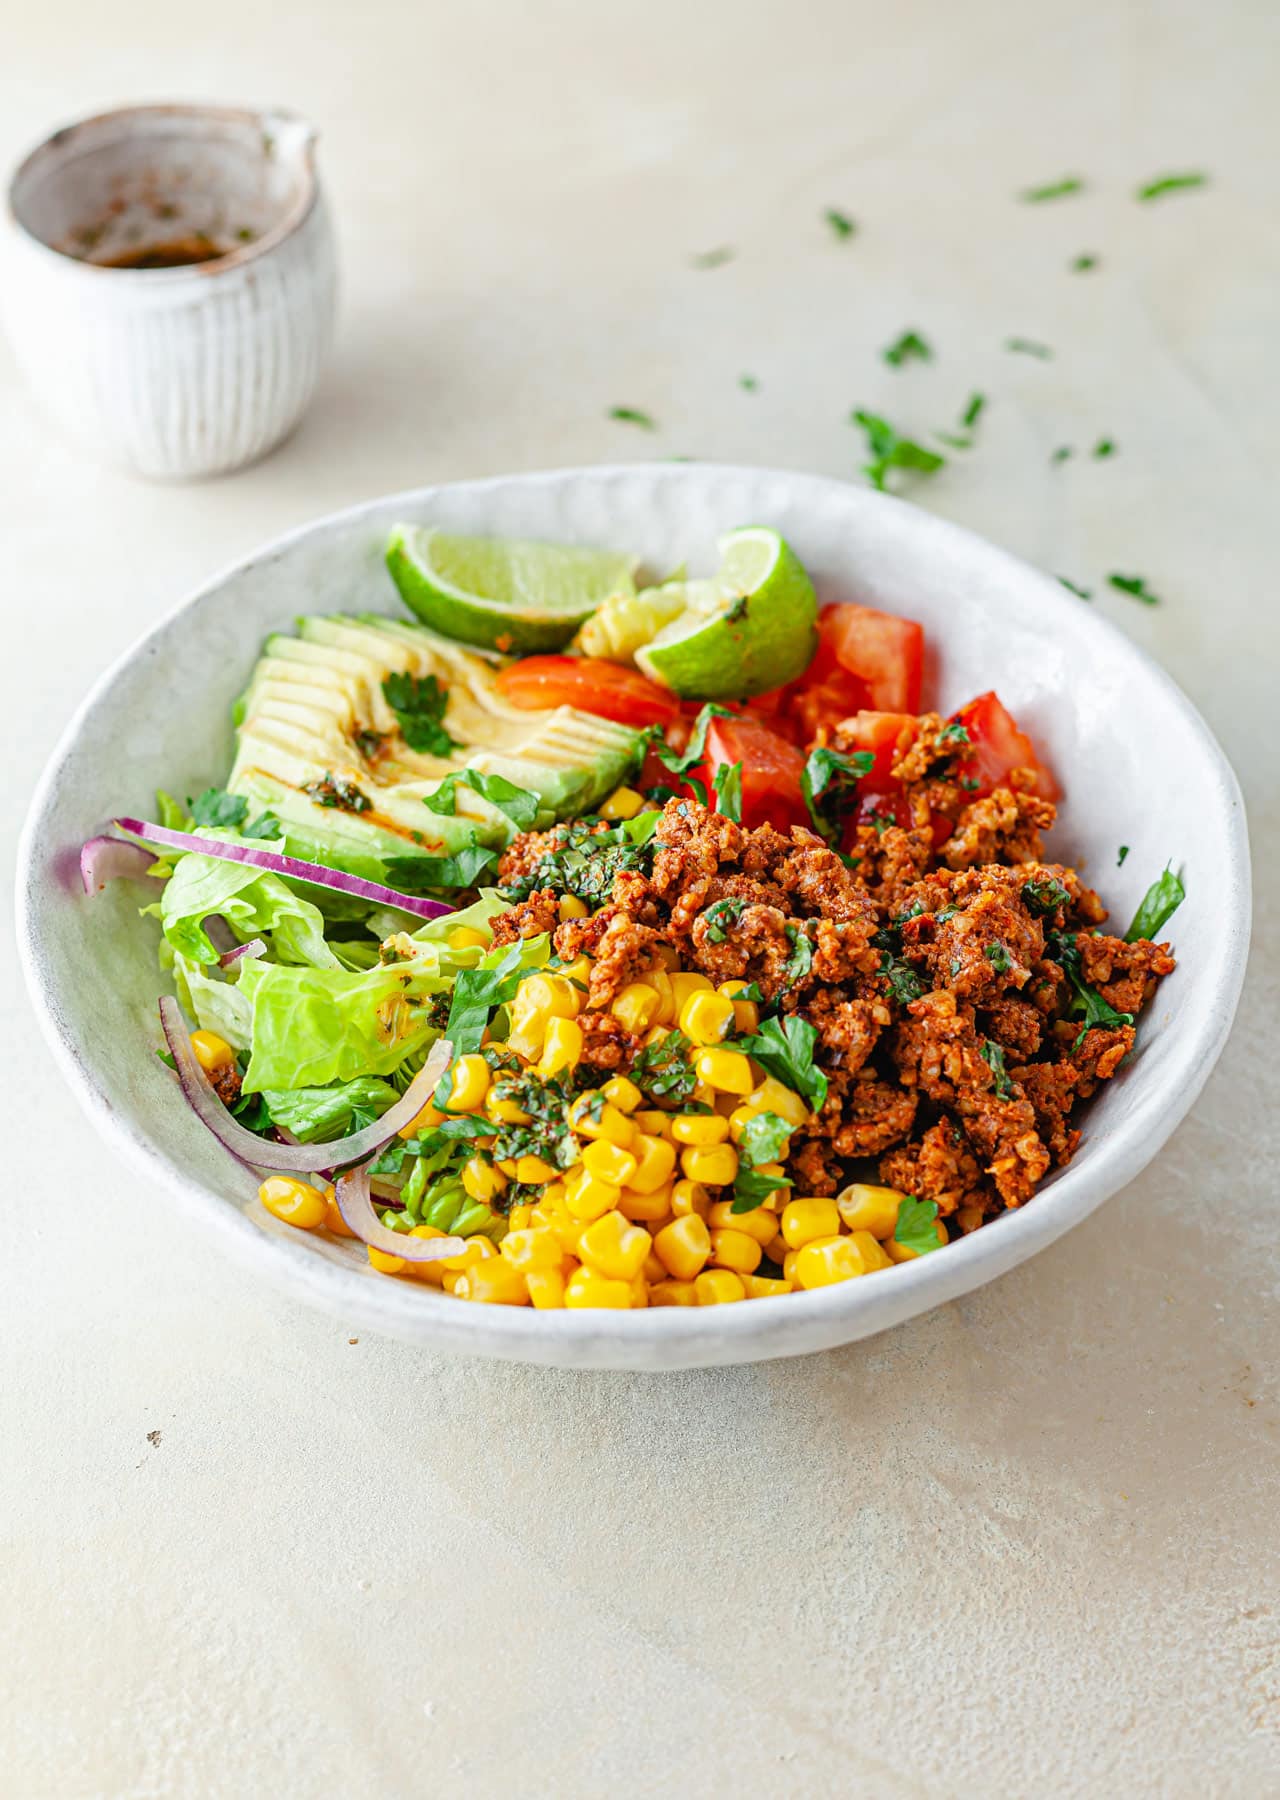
(276,864)
(297,1159)
(105,859)
(254,948)
(355,1203)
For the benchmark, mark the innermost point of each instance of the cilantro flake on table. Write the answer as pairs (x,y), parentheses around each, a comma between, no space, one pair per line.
(1124,851)
(890,450)
(908,345)
(1022,346)
(842,226)
(1062,453)
(1136,586)
(419,703)
(1080,265)
(713,259)
(963,439)
(1103,448)
(1171,184)
(748,383)
(633,415)
(1052,190)
(1081,593)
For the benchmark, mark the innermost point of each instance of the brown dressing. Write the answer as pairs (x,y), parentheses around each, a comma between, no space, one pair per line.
(178,253)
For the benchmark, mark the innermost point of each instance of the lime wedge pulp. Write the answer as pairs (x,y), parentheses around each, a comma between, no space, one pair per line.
(749,628)
(503,593)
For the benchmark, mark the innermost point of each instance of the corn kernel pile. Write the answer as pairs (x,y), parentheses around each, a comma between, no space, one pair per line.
(645,1214)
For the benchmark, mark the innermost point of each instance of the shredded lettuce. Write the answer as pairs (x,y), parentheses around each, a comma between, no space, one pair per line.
(252,904)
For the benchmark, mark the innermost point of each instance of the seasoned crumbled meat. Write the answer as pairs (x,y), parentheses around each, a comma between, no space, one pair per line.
(756,946)
(848,1030)
(1003,827)
(989,942)
(874,1115)
(814,1168)
(528,918)
(582,937)
(821,886)
(1016,1025)
(606,1044)
(625,950)
(226,1083)
(939,1166)
(1124,974)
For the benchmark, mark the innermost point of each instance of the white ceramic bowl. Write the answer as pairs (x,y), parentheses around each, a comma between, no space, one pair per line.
(1138,764)
(183,371)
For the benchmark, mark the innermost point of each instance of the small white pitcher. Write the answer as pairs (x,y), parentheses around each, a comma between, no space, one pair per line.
(170,284)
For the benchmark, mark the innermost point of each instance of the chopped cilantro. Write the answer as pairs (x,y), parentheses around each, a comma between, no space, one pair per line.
(1081,593)
(1136,586)
(519,805)
(477,991)
(973,411)
(963,439)
(632,415)
(423,874)
(1161,900)
(338,792)
(998,957)
(727,781)
(751,1189)
(1044,897)
(721,917)
(583,859)
(993,1055)
(218,808)
(904,983)
(1062,453)
(1170,184)
(748,383)
(830,775)
(1087,1003)
(1080,265)
(712,259)
(841,224)
(369,743)
(1028,347)
(916,1228)
(800,961)
(953,736)
(907,345)
(663,1070)
(265,826)
(764,1139)
(419,703)
(889,450)
(1053,190)
(1103,448)
(784,1048)
(1124,851)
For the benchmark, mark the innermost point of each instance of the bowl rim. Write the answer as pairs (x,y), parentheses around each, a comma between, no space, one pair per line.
(668,1337)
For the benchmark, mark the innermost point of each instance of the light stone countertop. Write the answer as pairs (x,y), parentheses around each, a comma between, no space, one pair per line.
(1025,1545)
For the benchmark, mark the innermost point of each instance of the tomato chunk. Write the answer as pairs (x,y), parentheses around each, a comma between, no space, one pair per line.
(998,747)
(771,771)
(865,660)
(592,684)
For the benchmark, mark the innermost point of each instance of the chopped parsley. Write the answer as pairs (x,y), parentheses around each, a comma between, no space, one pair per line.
(476,992)
(1087,1003)
(217,808)
(1135,585)
(1053,190)
(800,961)
(663,1070)
(829,785)
(784,1048)
(993,1055)
(904,983)
(916,1228)
(1044,897)
(1161,900)
(1028,347)
(889,450)
(727,782)
(907,345)
(721,917)
(1170,184)
(419,703)
(1080,265)
(583,859)
(1081,593)
(1103,448)
(519,805)
(999,958)
(1124,851)
(712,259)
(841,224)
(424,874)
(748,383)
(336,791)
(632,415)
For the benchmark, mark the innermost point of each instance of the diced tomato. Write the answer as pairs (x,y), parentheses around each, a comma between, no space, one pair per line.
(592,684)
(771,771)
(999,746)
(879,794)
(865,660)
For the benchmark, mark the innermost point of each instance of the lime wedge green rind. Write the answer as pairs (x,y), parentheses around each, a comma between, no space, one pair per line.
(512,595)
(748,629)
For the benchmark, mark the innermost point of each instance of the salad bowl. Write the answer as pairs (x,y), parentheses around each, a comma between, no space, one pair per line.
(1091,698)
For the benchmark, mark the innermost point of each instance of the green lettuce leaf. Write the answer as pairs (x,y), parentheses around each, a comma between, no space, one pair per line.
(316,1114)
(252,904)
(215,1003)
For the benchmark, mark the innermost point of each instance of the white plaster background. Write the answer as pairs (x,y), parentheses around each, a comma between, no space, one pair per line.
(1026,1545)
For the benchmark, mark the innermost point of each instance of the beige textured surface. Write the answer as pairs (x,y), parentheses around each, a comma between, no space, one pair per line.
(1026,1545)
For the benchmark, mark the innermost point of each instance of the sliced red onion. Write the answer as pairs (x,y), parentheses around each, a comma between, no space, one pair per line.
(297,1159)
(292,866)
(219,934)
(105,859)
(255,947)
(356,1206)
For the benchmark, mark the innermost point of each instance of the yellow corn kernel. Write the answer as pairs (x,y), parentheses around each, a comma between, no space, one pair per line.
(469,1085)
(519,1217)
(727,1071)
(645,1209)
(212,1052)
(683,1246)
(532,1249)
(571,907)
(608,1163)
(690,1197)
(636,1006)
(778,1198)
(655,1160)
(706,1017)
(639,1292)
(612,1127)
(778,1249)
(760,1223)
(746,1014)
(871,1250)
(333,1219)
(546,1288)
(579,970)
(873,1209)
(660,981)
(466,937)
(717,1287)
(614,1247)
(482,1180)
(623,803)
(806,1219)
(586,1288)
(530,1170)
(294,1202)
(421,1121)
(562,1046)
(772,1096)
(508,1167)
(430,1272)
(825,1260)
(476,1249)
(702,1130)
(587,1197)
(493,1283)
(686,982)
(969,1218)
(765,1287)
(652,1122)
(714,1168)
(505,1112)
(384,1264)
(902,1253)
(735,1250)
(652,1269)
(789,1266)
(672,1293)
(623,1094)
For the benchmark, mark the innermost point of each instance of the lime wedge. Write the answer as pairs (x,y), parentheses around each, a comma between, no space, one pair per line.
(503,593)
(750,628)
